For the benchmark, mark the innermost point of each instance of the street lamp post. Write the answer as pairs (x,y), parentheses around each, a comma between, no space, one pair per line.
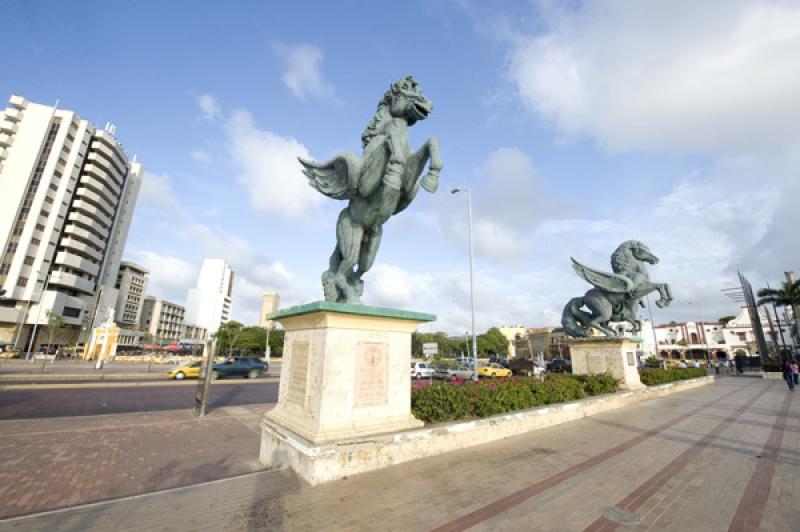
(471,282)
(38,315)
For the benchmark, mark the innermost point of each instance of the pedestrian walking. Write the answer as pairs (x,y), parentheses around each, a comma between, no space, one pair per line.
(786,368)
(795,370)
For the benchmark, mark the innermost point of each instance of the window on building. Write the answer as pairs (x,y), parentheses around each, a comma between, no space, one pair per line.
(22,282)
(71,312)
(29,260)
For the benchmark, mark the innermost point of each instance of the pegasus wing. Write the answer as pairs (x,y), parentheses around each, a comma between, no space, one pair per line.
(337,178)
(611,282)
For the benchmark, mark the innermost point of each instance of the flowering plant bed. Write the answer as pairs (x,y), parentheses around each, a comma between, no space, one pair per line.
(444,402)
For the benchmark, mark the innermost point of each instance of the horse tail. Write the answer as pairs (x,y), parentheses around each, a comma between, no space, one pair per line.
(568,318)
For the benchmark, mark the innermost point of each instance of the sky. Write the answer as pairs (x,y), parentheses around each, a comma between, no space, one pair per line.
(577,126)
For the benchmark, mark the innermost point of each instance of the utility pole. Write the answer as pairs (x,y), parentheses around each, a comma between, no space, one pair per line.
(38,316)
(471,282)
(204,383)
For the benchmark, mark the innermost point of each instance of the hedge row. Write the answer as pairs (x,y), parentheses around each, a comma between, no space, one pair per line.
(445,402)
(653,376)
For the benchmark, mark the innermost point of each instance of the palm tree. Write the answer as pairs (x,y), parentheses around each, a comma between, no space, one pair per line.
(786,296)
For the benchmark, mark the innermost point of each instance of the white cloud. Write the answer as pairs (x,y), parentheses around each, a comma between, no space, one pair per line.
(269,170)
(156,191)
(303,74)
(170,277)
(508,205)
(254,273)
(201,156)
(667,75)
(209,106)
(389,286)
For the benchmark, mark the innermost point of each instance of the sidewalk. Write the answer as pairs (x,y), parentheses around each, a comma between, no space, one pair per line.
(720,457)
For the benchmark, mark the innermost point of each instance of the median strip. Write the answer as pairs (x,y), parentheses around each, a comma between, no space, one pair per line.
(37,386)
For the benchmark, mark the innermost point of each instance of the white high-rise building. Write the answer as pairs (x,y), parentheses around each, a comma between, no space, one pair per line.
(269,304)
(131,289)
(209,304)
(67,195)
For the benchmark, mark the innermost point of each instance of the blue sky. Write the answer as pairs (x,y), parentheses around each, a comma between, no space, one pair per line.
(578,125)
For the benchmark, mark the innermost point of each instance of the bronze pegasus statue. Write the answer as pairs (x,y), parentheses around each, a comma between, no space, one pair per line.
(616,295)
(377,185)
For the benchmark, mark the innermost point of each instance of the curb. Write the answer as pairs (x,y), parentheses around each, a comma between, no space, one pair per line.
(188,382)
(79,376)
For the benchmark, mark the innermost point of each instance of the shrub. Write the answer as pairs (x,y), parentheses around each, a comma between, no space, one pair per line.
(445,402)
(653,376)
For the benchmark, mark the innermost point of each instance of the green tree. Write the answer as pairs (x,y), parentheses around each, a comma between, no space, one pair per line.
(276,337)
(226,336)
(725,319)
(54,323)
(251,341)
(493,342)
(787,295)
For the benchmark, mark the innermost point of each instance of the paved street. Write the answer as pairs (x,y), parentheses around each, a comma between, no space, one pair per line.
(720,457)
(117,398)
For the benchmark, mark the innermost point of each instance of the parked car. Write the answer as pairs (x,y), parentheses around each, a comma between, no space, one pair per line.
(458,372)
(502,361)
(187,371)
(242,366)
(492,370)
(421,370)
(559,365)
(525,366)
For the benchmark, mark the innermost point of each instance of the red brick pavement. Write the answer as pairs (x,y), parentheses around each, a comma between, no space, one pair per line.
(638,496)
(501,505)
(61,462)
(751,507)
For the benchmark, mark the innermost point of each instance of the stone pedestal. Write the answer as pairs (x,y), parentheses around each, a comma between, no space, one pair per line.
(615,356)
(345,376)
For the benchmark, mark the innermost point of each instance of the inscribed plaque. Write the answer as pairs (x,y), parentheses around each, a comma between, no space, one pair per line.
(595,364)
(298,374)
(372,368)
(631,361)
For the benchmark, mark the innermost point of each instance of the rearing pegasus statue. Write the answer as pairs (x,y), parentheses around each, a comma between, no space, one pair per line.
(379,184)
(615,296)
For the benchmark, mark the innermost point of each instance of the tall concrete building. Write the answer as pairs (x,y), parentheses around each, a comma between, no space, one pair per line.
(209,304)
(131,288)
(163,320)
(67,195)
(269,304)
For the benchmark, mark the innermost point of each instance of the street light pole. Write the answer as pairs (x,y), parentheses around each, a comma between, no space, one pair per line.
(38,315)
(471,282)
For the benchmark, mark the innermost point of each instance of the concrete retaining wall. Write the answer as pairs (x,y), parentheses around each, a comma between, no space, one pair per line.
(326,462)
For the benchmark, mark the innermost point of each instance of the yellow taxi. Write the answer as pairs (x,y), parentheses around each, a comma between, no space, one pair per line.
(187,371)
(493,370)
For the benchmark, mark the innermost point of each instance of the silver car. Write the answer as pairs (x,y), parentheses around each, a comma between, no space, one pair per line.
(460,372)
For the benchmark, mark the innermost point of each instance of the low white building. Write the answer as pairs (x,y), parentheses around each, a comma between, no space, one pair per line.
(693,340)
(209,303)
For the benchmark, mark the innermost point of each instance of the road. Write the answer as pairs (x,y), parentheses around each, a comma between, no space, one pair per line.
(89,401)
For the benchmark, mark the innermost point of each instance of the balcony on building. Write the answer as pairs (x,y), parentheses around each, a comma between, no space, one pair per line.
(77,262)
(89,224)
(81,247)
(96,199)
(70,280)
(82,234)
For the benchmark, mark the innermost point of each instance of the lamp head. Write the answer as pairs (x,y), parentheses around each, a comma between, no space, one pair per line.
(455,190)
